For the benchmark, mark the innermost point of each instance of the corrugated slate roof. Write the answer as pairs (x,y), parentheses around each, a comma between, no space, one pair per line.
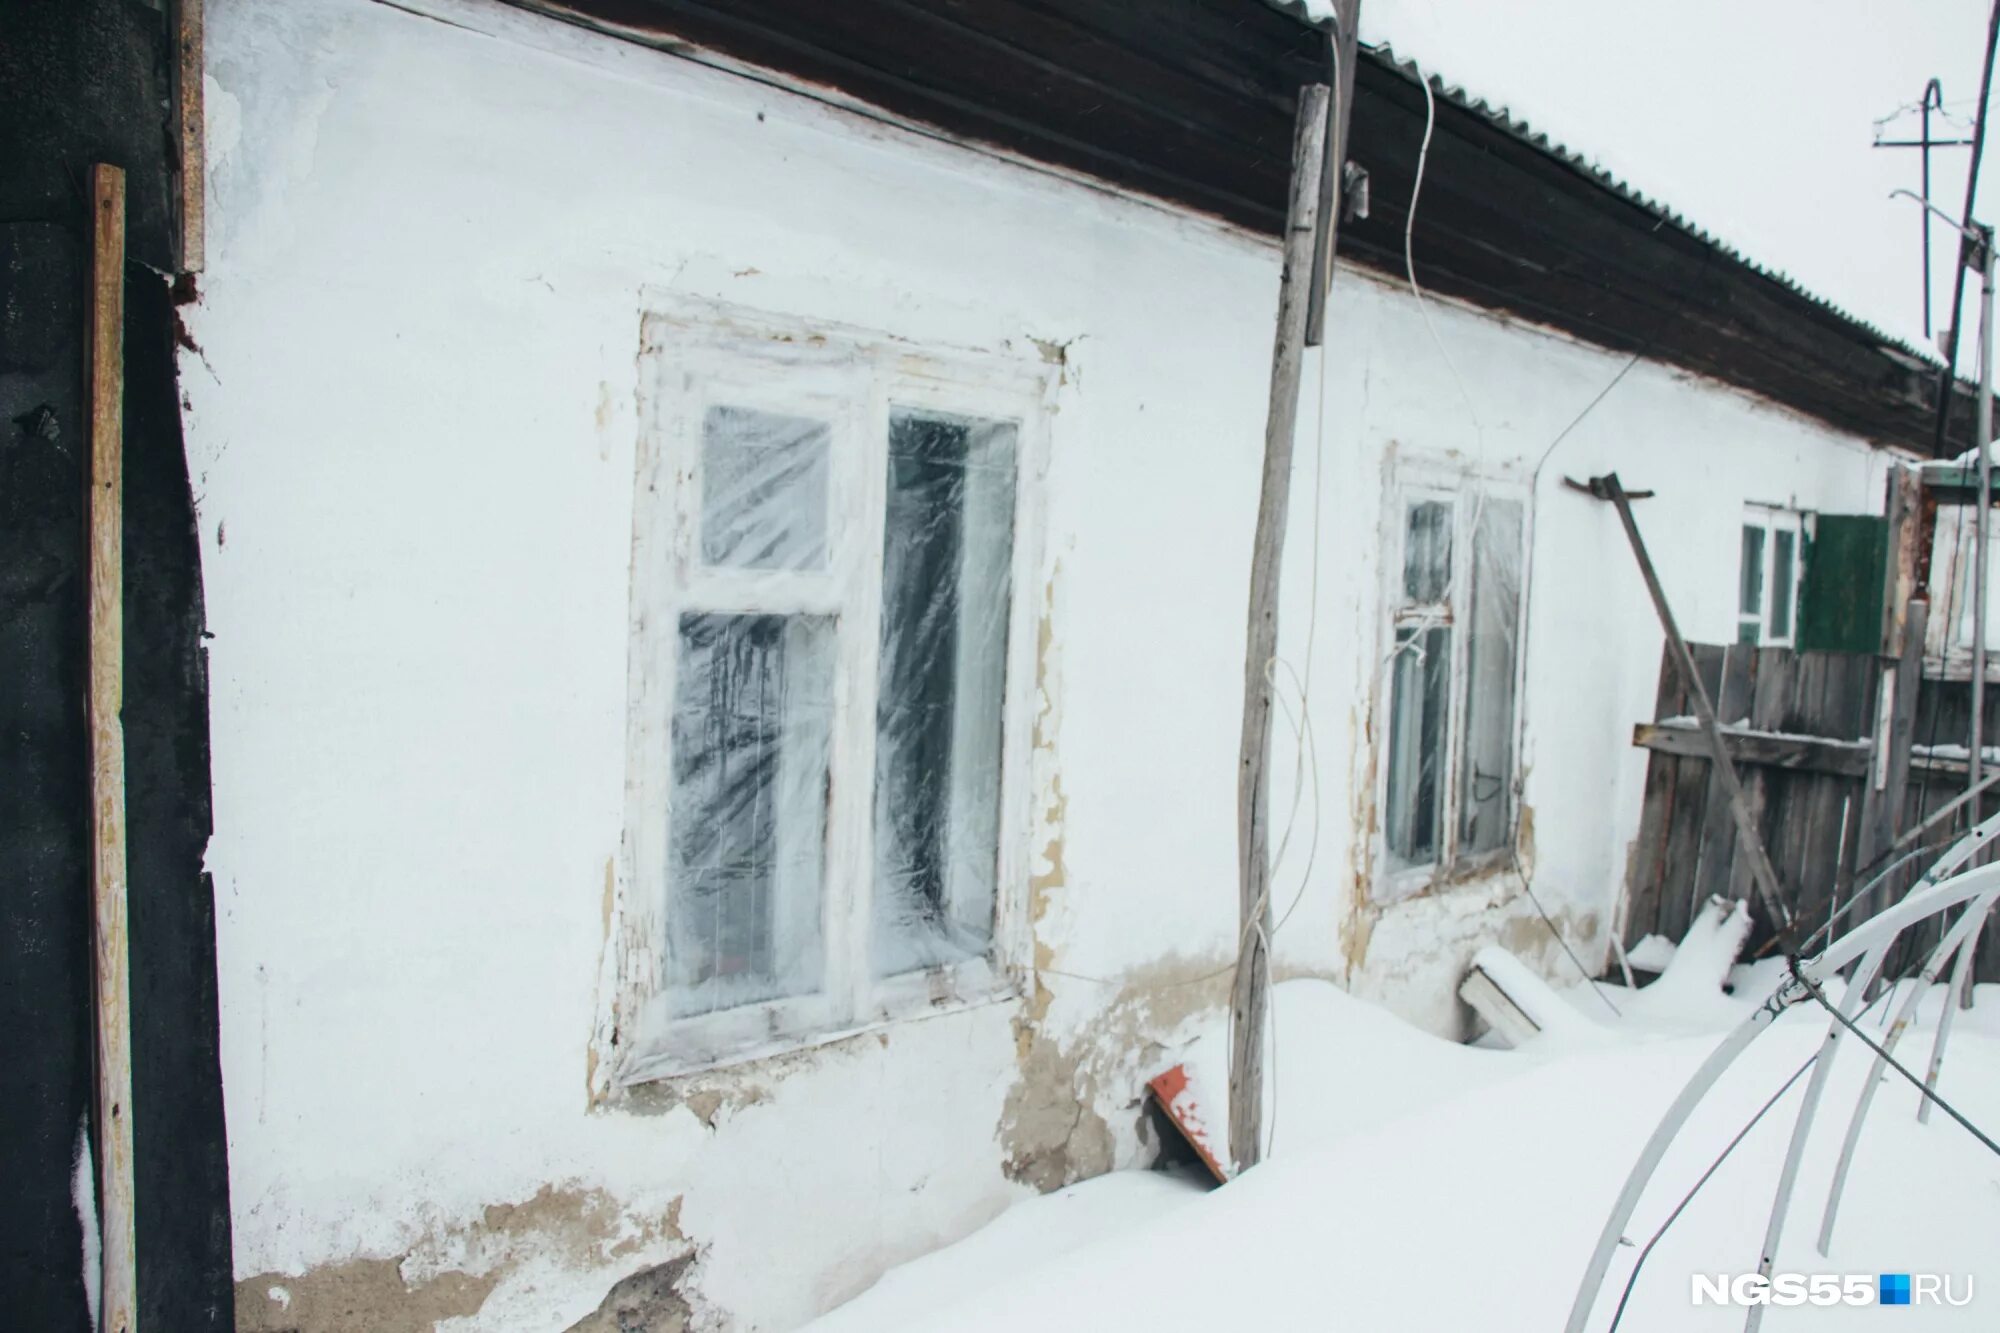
(1504,119)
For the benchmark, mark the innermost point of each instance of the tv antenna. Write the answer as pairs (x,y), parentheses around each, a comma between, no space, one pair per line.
(1932,100)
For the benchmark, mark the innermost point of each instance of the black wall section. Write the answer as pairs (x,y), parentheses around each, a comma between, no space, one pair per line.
(45,1050)
(85,81)
(186,1279)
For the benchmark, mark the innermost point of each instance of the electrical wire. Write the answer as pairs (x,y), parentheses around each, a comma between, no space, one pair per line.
(1633,1277)
(1948,372)
(1882,1053)
(1423,308)
(1527,884)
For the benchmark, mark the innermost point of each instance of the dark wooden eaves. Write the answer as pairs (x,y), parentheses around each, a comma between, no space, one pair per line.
(1191,102)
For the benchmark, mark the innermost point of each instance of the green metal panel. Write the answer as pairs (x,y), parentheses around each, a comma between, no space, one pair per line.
(1840,602)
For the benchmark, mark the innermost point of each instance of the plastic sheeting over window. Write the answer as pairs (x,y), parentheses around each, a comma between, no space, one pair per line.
(763,489)
(946,547)
(1492,654)
(751,733)
(751,898)
(1448,790)
(1420,699)
(1417,721)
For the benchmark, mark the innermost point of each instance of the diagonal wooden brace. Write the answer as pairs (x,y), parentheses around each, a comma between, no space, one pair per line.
(1749,842)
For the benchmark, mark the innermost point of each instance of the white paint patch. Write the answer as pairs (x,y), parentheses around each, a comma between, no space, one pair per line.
(83,1197)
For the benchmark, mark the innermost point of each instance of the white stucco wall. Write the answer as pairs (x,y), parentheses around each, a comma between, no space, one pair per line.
(411,423)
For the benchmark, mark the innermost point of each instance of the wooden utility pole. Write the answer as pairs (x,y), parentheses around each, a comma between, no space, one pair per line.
(105,381)
(1333,167)
(1306,224)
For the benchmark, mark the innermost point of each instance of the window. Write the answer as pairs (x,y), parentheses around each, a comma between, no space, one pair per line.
(1448,794)
(1767,598)
(829,715)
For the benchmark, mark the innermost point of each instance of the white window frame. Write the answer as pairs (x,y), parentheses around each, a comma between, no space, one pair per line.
(1773,519)
(697,353)
(1413,480)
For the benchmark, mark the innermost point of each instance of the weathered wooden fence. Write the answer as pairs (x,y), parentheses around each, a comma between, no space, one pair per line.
(1803,730)
(1937,777)
(1797,727)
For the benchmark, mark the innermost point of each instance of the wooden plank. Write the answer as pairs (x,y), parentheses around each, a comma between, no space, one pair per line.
(1692,776)
(1644,874)
(1769,893)
(1822,800)
(106,388)
(1809,754)
(1769,699)
(1251,986)
(1718,850)
(1952,485)
(1795,808)
(1878,804)
(1694,780)
(192,133)
(1856,704)
(1902,504)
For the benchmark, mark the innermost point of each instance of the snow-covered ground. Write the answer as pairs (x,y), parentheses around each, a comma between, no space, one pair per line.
(1415,1184)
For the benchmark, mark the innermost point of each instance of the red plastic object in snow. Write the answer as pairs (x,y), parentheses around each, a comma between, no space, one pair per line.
(1177,1100)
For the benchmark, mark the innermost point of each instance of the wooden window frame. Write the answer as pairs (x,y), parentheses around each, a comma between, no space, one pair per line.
(1413,480)
(697,353)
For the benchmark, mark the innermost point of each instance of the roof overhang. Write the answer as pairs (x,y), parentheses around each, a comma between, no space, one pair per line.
(1191,102)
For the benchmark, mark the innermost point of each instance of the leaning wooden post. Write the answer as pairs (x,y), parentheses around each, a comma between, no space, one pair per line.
(1749,841)
(1249,994)
(105,373)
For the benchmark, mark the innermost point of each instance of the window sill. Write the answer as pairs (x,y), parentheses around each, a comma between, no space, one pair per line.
(687,1047)
(1409,883)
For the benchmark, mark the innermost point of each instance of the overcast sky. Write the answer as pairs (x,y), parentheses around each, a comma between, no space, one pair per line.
(1752,118)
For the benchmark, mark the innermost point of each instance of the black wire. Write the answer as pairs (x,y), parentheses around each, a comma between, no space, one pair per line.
(1688,1198)
(1716,1165)
(1948,372)
(1812,989)
(1528,884)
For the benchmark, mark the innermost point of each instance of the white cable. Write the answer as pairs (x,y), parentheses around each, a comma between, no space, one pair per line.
(1409,255)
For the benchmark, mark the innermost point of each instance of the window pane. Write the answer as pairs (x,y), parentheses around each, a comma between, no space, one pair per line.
(1427,552)
(1486,758)
(763,489)
(947,545)
(747,815)
(1419,678)
(1746,631)
(1751,600)
(1781,584)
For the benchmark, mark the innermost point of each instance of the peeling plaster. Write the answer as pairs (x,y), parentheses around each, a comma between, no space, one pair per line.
(450,1274)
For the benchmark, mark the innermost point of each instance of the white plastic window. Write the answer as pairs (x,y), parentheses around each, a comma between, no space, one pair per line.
(1767,595)
(829,713)
(1452,677)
